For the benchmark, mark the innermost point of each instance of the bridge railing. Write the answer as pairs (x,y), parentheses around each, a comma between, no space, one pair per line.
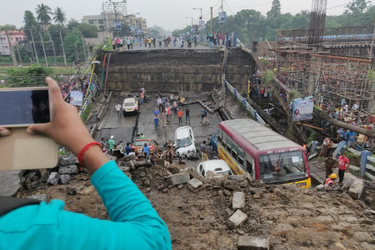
(366,169)
(243,102)
(88,100)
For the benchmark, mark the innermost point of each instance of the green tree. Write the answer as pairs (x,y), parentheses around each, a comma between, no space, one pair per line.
(43,15)
(60,19)
(8,27)
(275,9)
(357,7)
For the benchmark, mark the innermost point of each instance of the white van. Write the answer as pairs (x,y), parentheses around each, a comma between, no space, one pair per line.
(184,140)
(217,166)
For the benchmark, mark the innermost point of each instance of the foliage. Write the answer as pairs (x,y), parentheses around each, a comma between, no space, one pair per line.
(293,94)
(59,16)
(275,9)
(43,14)
(251,25)
(290,132)
(370,75)
(28,76)
(267,77)
(312,137)
(8,27)
(86,113)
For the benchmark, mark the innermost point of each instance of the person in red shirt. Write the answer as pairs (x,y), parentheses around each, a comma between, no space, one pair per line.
(343,164)
(180,113)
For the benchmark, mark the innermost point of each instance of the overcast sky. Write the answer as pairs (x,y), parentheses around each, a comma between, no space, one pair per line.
(170,14)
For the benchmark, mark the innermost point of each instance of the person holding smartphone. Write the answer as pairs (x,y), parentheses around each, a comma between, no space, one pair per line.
(134,223)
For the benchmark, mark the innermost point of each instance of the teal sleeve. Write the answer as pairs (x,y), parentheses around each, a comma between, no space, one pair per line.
(134,223)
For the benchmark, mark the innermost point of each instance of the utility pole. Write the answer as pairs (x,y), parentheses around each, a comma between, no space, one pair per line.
(18,51)
(53,46)
(62,44)
(83,46)
(77,57)
(372,44)
(11,51)
(222,10)
(44,51)
(211,20)
(32,38)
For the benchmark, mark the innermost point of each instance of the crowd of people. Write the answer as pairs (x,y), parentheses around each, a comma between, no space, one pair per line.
(219,39)
(71,83)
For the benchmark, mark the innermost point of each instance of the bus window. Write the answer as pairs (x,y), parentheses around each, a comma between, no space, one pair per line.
(240,161)
(219,138)
(249,167)
(281,165)
(224,144)
(229,148)
(234,153)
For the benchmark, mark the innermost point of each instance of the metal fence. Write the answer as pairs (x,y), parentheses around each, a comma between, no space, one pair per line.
(88,100)
(246,105)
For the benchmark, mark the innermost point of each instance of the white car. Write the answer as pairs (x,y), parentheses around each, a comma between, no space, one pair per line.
(184,140)
(130,106)
(217,166)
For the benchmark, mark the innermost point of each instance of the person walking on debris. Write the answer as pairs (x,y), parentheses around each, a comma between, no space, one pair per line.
(175,107)
(128,148)
(330,181)
(169,155)
(168,111)
(118,110)
(156,112)
(180,113)
(343,164)
(204,151)
(327,143)
(163,119)
(146,149)
(111,143)
(156,121)
(142,136)
(160,104)
(103,143)
(205,119)
(329,164)
(142,97)
(187,115)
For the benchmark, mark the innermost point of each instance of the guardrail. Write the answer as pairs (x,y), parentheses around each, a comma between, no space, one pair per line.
(246,105)
(88,100)
(366,158)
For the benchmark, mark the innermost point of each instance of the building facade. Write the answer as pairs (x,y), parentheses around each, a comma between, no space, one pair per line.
(15,36)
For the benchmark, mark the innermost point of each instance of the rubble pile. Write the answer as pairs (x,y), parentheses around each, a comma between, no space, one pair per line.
(236,212)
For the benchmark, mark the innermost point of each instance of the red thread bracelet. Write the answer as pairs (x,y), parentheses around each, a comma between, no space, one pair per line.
(85,148)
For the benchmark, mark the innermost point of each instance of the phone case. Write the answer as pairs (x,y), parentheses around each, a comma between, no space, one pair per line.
(28,88)
(20,150)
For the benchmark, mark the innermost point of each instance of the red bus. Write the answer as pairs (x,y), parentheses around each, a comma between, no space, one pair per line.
(248,146)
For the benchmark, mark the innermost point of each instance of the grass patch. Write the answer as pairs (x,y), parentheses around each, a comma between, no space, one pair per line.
(86,113)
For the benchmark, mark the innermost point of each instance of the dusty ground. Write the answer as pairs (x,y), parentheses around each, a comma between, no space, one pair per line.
(292,217)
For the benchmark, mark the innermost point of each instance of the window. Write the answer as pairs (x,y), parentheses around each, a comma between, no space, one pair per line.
(229,148)
(249,167)
(224,144)
(234,154)
(240,161)
(220,138)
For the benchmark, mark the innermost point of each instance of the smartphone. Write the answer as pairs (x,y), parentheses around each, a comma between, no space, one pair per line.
(22,107)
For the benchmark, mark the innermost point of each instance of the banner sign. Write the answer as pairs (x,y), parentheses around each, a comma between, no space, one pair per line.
(303,109)
(76,98)
(132,29)
(192,30)
(201,24)
(222,17)
(139,32)
(116,25)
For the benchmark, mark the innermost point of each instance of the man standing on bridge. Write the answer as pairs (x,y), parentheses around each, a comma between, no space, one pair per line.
(118,110)
(160,104)
(163,119)
(180,113)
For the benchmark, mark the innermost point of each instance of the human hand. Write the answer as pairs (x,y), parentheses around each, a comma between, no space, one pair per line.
(4,132)
(66,127)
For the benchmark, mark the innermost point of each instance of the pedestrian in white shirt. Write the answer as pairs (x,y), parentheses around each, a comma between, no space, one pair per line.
(118,110)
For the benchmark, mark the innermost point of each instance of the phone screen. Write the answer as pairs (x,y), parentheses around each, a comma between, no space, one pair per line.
(24,107)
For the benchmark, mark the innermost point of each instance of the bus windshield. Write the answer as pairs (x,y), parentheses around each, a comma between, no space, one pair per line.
(273,167)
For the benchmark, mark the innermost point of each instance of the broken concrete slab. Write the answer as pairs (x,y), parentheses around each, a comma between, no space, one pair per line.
(237,220)
(356,189)
(71,169)
(9,182)
(232,185)
(238,200)
(40,197)
(67,160)
(195,174)
(181,178)
(65,178)
(320,188)
(253,243)
(54,178)
(194,184)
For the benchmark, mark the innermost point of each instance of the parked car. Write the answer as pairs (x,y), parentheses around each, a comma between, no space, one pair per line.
(138,145)
(184,140)
(130,106)
(217,166)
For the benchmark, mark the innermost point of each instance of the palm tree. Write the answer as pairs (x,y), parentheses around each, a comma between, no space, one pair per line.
(60,19)
(30,25)
(43,15)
